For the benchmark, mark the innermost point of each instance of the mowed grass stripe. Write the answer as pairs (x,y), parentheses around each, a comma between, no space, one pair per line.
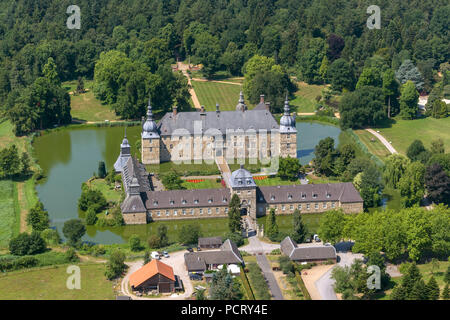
(210,93)
(9,211)
(373,144)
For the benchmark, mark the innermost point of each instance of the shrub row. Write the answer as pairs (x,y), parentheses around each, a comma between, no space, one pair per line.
(258,282)
(363,148)
(246,285)
(302,286)
(12,263)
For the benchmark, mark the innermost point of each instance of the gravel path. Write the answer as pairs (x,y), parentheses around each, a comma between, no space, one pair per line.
(383,141)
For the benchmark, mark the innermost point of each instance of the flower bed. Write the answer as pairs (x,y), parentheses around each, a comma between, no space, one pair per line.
(260,177)
(195,180)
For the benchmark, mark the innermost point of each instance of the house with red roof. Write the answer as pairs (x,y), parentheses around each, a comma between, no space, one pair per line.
(155,275)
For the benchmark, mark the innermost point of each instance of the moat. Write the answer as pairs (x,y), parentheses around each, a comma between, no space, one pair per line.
(69,157)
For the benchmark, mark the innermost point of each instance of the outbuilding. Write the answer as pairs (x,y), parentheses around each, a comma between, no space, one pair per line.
(155,275)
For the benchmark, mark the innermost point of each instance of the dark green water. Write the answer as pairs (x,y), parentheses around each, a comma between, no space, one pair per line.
(69,157)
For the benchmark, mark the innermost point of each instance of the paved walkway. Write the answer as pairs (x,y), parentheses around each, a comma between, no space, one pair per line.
(217,81)
(270,277)
(214,177)
(383,141)
(224,169)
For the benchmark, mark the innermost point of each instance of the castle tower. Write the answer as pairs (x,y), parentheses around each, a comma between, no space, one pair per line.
(241,105)
(125,154)
(288,133)
(150,139)
(243,184)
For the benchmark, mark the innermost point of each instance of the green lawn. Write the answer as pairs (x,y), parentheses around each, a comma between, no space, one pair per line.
(194,169)
(373,144)
(50,284)
(403,132)
(427,271)
(305,97)
(9,211)
(7,137)
(284,222)
(206,184)
(210,93)
(108,191)
(274,181)
(85,107)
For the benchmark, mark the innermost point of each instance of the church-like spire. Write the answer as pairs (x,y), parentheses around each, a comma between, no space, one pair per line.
(287,108)
(149,110)
(241,105)
(149,129)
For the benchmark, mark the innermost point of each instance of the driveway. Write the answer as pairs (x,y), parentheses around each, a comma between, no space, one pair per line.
(255,246)
(176,261)
(383,141)
(270,277)
(325,285)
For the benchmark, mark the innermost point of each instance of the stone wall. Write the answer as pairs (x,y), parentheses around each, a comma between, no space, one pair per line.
(135,218)
(188,213)
(352,207)
(150,151)
(288,145)
(308,207)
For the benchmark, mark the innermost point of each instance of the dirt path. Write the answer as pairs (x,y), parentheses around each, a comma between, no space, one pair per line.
(184,67)
(383,141)
(310,276)
(217,81)
(23,211)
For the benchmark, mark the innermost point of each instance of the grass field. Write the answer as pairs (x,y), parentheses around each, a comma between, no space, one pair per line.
(373,144)
(9,212)
(284,222)
(108,191)
(85,107)
(403,132)
(185,169)
(7,137)
(206,184)
(50,284)
(274,181)
(305,97)
(210,93)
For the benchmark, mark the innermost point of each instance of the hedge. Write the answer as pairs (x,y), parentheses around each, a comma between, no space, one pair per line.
(258,282)
(246,285)
(302,286)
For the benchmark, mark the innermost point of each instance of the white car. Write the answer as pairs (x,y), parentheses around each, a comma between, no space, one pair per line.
(155,255)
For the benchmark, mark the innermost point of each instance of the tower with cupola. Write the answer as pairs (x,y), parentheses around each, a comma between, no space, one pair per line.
(150,139)
(288,133)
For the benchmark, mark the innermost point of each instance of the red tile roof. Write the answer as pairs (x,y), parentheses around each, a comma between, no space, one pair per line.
(149,270)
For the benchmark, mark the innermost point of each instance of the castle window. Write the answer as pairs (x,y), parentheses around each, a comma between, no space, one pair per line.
(192,211)
(175,212)
(288,145)
(184,212)
(249,192)
(316,206)
(249,181)
(291,207)
(167,212)
(201,211)
(217,210)
(324,205)
(226,210)
(151,149)
(299,207)
(283,207)
(333,204)
(158,213)
(209,210)
(307,206)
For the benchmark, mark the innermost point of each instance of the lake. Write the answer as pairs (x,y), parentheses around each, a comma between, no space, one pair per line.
(70,156)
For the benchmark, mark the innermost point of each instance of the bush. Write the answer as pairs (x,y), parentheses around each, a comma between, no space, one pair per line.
(259,285)
(276,252)
(135,243)
(286,264)
(91,217)
(236,237)
(189,234)
(153,242)
(98,250)
(71,255)
(25,244)
(51,236)
(91,199)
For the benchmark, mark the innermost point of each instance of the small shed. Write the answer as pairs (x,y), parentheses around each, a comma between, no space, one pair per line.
(209,243)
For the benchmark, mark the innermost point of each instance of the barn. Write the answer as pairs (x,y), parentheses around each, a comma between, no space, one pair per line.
(155,275)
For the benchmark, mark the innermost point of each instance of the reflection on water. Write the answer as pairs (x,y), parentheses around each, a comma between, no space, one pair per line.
(70,156)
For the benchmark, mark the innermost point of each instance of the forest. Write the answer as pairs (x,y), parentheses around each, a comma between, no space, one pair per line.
(127,47)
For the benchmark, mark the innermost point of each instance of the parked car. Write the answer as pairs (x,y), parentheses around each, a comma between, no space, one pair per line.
(190,249)
(155,255)
(316,238)
(166,254)
(195,276)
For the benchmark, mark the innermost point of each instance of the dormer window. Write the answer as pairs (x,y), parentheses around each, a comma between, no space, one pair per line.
(290,196)
(155,203)
(240,181)
(224,200)
(272,197)
(314,195)
(196,201)
(303,196)
(328,195)
(249,181)
(184,201)
(210,200)
(172,202)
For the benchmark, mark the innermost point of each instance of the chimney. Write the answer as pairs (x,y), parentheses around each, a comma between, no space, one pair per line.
(142,120)
(202,109)
(217,108)
(175,110)
(261,98)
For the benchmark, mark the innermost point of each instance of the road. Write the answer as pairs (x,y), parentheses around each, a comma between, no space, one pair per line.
(270,277)
(325,285)
(383,141)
